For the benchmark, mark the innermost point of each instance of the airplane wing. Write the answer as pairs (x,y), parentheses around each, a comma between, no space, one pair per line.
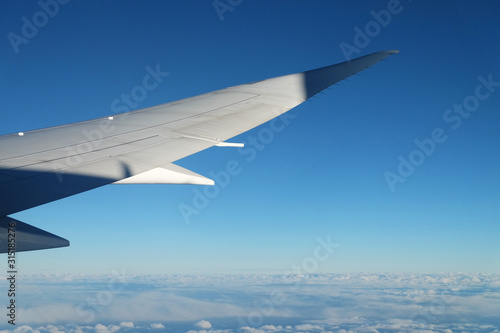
(41,166)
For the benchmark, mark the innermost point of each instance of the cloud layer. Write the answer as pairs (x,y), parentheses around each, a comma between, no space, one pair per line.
(259,303)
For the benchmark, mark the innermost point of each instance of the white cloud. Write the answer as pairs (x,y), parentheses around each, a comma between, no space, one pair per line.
(127,324)
(113,328)
(101,329)
(308,327)
(157,326)
(54,329)
(271,328)
(246,329)
(203,324)
(25,329)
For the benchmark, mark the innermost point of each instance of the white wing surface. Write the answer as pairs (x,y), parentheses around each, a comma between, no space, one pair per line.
(42,166)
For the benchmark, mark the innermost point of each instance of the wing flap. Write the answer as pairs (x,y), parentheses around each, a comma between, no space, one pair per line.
(169,174)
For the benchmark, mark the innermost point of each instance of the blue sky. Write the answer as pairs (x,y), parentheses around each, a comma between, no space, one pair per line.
(322,176)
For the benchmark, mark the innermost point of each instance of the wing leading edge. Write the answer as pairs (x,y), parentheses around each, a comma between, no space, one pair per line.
(37,167)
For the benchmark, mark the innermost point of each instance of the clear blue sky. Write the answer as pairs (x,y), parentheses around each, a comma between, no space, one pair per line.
(323,175)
